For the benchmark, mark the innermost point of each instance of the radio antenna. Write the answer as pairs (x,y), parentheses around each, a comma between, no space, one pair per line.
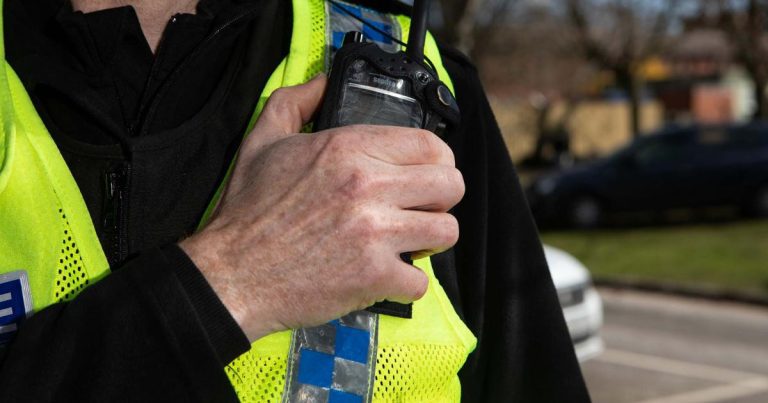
(418,34)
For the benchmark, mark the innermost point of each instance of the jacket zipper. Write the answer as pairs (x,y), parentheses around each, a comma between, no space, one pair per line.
(152,107)
(117,178)
(115,212)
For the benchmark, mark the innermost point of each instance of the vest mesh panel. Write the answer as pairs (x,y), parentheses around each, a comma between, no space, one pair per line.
(407,373)
(258,378)
(71,278)
(417,373)
(317,47)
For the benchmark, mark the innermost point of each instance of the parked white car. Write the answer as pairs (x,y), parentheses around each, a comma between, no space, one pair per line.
(581,303)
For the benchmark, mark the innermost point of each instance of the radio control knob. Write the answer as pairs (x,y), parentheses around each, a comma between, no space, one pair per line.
(354,37)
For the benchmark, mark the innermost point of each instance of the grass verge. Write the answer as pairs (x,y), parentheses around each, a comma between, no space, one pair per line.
(731,257)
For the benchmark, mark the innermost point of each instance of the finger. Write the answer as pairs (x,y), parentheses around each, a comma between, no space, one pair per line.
(407,284)
(435,188)
(290,108)
(397,145)
(425,233)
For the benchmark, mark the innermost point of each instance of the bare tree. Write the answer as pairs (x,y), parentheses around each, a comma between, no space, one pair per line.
(470,24)
(531,56)
(619,35)
(745,25)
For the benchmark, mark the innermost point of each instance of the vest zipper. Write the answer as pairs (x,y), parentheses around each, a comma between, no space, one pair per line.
(115,209)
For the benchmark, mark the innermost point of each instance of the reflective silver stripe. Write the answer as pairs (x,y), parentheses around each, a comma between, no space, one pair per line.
(333,362)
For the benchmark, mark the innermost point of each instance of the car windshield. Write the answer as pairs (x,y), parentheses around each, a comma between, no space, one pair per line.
(654,147)
(630,149)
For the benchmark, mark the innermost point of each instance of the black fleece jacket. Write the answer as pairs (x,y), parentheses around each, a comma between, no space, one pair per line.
(161,129)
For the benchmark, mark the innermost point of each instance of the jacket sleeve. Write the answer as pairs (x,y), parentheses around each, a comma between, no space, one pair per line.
(501,284)
(153,330)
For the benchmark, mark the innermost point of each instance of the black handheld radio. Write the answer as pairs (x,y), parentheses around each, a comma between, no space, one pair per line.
(369,85)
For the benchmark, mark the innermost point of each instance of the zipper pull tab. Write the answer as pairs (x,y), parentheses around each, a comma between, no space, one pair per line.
(113,182)
(115,187)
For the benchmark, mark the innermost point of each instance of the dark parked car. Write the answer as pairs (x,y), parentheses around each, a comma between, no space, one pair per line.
(678,168)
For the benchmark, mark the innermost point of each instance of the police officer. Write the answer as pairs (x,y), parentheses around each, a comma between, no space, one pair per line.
(131,278)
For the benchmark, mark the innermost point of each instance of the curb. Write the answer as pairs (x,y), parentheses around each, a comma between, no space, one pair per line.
(712,294)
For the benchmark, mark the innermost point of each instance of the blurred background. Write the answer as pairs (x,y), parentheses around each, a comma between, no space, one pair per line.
(637,127)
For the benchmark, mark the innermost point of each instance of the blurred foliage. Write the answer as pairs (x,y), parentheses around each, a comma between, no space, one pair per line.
(723,257)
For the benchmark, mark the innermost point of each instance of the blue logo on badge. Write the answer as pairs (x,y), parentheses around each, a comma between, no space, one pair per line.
(15,303)
(377,31)
(380,28)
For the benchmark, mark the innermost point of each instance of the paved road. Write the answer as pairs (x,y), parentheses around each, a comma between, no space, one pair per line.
(662,349)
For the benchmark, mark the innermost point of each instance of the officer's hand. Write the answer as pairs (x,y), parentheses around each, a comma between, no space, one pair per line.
(311,227)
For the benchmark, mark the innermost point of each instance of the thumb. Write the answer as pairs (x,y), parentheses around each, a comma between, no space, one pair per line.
(290,108)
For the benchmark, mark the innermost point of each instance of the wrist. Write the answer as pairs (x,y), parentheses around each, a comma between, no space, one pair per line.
(225,335)
(206,252)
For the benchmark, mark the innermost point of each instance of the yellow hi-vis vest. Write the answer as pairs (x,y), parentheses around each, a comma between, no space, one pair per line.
(47,235)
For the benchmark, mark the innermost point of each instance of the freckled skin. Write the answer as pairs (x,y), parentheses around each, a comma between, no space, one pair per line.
(310,227)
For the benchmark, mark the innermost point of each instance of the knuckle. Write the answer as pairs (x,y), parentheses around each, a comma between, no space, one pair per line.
(433,148)
(447,230)
(456,181)
(420,287)
(426,144)
(280,104)
(278,98)
(356,183)
(248,149)
(449,155)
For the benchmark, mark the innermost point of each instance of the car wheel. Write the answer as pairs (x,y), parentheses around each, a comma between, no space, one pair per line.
(585,212)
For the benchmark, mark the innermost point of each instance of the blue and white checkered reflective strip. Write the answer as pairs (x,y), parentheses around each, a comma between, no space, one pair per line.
(343,17)
(15,303)
(335,362)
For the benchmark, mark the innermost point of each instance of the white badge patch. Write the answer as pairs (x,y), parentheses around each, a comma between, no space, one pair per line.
(15,303)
